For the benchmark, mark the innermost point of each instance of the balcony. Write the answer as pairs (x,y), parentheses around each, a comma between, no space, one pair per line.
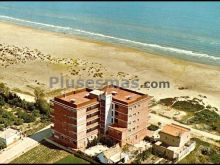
(92,131)
(93,125)
(92,118)
(92,111)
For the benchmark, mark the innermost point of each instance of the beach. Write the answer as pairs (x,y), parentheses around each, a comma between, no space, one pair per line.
(39,55)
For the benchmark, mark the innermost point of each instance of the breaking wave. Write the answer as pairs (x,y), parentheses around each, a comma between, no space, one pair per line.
(83,32)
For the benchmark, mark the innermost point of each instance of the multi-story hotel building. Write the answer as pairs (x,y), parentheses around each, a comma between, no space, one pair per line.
(83,114)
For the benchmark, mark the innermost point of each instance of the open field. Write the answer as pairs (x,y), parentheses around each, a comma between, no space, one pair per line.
(47,153)
(72,159)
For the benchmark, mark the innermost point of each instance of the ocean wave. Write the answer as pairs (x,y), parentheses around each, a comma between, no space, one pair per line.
(155,46)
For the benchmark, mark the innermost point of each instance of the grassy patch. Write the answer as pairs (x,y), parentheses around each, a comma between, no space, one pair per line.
(72,159)
(37,126)
(188,106)
(210,118)
(44,153)
(203,153)
(196,113)
(54,92)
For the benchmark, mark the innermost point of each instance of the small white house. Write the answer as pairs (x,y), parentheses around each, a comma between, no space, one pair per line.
(113,155)
(9,136)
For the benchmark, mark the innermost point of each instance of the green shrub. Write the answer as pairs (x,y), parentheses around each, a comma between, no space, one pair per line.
(189,106)
(153,127)
(167,101)
(92,143)
(18,121)
(2,101)
(2,145)
(105,140)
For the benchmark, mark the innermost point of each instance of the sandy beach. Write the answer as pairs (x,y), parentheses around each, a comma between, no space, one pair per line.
(30,56)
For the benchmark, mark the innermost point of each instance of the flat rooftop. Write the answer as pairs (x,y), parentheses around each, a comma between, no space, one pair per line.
(86,96)
(174,130)
(77,98)
(124,95)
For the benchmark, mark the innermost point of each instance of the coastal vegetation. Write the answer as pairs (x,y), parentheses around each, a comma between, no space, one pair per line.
(142,156)
(104,140)
(153,127)
(203,153)
(15,111)
(197,112)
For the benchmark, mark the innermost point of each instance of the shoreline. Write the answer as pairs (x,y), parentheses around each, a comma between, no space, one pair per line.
(109,59)
(116,45)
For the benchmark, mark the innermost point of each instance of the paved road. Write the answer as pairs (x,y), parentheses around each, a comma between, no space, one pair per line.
(24,145)
(196,132)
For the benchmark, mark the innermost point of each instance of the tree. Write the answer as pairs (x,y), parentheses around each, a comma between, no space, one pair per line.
(2,145)
(2,101)
(18,121)
(39,94)
(92,143)
(36,113)
(107,141)
(4,89)
(41,103)
(1,127)
(31,106)
(29,118)
(43,106)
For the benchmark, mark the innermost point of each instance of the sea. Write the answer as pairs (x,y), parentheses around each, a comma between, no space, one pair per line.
(184,30)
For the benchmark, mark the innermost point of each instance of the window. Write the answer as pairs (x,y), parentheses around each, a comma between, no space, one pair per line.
(116,120)
(112,120)
(116,106)
(116,113)
(112,113)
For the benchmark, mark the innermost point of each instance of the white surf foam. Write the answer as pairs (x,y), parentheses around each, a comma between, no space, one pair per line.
(163,48)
